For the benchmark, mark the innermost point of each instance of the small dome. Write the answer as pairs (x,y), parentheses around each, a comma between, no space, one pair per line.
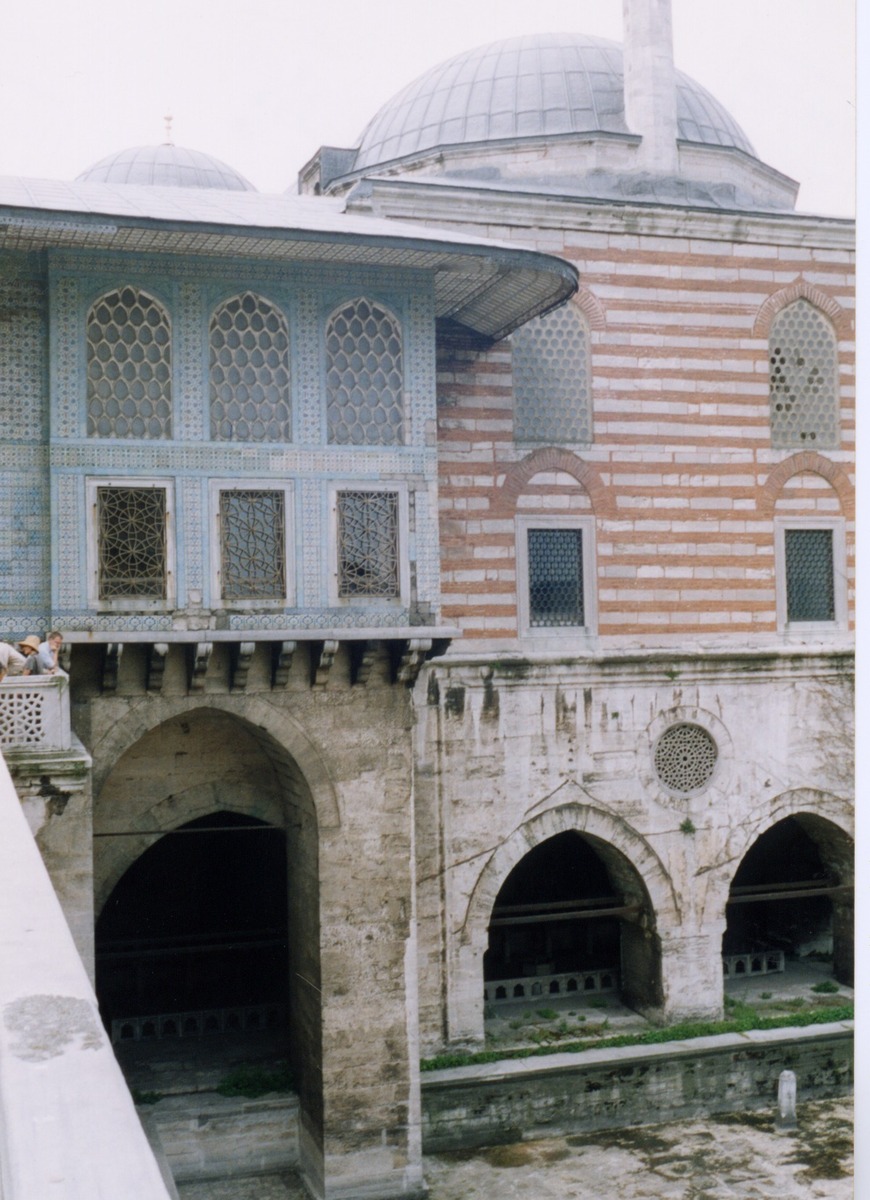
(166,166)
(530,86)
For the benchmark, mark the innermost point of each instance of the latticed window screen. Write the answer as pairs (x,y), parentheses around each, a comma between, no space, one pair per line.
(556,577)
(809,574)
(685,757)
(804,410)
(253,563)
(128,367)
(368,544)
(132,542)
(551,379)
(249,372)
(364,376)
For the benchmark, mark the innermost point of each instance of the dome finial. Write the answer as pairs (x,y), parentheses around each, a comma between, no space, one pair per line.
(168,120)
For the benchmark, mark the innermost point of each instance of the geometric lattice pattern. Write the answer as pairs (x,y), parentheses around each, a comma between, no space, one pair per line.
(128,367)
(364,376)
(803,379)
(551,379)
(252,545)
(809,574)
(556,577)
(685,757)
(249,372)
(22,717)
(368,544)
(132,542)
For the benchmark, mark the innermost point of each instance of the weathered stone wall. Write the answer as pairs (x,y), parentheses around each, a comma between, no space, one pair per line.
(332,766)
(514,751)
(612,1089)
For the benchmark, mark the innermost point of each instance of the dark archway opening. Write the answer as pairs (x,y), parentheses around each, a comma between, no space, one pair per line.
(572,920)
(790,900)
(196,928)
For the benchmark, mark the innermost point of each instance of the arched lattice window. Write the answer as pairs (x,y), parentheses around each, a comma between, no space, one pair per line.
(129,393)
(249,371)
(803,379)
(364,374)
(552,392)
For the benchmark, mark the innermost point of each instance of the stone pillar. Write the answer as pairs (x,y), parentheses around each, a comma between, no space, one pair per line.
(650,83)
(692,974)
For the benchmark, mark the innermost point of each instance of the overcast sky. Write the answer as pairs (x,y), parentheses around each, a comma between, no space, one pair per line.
(262,83)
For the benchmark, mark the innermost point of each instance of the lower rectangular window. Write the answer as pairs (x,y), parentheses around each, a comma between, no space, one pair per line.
(556,577)
(131,543)
(253,541)
(368,544)
(809,574)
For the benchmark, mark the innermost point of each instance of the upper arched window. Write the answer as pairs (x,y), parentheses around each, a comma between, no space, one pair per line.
(249,371)
(551,379)
(129,393)
(804,410)
(364,376)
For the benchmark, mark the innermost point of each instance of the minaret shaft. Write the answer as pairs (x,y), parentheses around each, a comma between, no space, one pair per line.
(650,82)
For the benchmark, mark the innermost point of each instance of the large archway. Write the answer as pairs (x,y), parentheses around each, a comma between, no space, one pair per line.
(206,887)
(193,938)
(791,901)
(573,919)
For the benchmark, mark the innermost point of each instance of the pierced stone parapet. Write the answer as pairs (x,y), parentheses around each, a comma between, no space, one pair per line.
(535,987)
(34,713)
(764,962)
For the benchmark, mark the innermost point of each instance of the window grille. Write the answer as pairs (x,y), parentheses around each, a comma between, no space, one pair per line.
(249,372)
(804,410)
(809,574)
(368,544)
(252,545)
(556,577)
(551,379)
(685,758)
(364,376)
(132,542)
(128,367)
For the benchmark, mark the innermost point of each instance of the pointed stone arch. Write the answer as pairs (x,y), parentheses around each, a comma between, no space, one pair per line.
(801,290)
(591,307)
(281,734)
(550,459)
(806,460)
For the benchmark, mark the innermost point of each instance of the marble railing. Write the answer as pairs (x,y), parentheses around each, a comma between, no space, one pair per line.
(34,713)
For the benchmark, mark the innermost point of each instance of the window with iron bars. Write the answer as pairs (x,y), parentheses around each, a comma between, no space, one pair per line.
(252,544)
(368,545)
(132,543)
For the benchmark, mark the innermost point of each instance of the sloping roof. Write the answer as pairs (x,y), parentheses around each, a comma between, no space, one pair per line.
(486,286)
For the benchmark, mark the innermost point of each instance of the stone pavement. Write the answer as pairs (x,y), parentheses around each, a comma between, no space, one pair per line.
(738,1157)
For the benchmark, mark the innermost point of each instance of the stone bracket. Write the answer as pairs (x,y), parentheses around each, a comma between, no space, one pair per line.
(110,666)
(363,655)
(157,655)
(413,657)
(242,666)
(201,659)
(323,664)
(284,663)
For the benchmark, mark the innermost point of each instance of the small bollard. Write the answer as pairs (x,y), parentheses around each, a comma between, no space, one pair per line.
(786,1101)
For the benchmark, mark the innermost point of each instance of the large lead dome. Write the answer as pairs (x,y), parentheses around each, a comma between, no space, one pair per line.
(166,166)
(529,87)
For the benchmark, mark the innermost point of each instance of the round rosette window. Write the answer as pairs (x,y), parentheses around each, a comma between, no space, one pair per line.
(685,757)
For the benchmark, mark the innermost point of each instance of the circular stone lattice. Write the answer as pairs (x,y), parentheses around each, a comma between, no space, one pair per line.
(685,758)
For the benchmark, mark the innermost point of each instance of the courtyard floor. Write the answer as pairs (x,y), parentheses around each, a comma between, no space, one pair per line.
(738,1157)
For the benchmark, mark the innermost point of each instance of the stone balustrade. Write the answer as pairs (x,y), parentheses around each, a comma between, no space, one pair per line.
(250,1018)
(34,713)
(536,987)
(762,962)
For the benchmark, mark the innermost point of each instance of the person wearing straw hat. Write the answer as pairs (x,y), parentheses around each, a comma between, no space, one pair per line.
(29,647)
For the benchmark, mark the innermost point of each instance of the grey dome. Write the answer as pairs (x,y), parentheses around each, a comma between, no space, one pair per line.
(166,166)
(529,86)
